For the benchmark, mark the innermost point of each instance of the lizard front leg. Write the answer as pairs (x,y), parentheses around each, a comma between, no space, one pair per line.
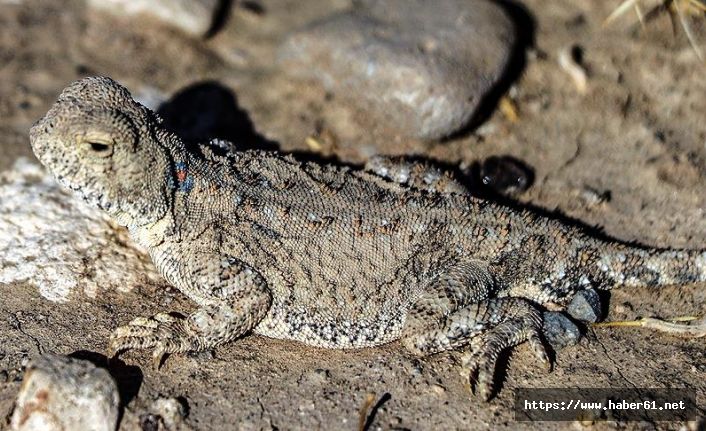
(233,298)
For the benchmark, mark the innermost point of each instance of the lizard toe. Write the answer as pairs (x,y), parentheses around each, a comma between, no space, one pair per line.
(163,332)
(480,366)
(485,351)
(539,348)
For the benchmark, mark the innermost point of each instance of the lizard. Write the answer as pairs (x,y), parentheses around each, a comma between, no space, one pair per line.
(329,255)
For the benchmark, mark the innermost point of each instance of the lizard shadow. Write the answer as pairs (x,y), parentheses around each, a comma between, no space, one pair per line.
(208,110)
(473,178)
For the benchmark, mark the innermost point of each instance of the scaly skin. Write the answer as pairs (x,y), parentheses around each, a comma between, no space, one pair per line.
(326,255)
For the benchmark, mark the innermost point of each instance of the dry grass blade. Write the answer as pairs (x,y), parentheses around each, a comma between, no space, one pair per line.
(369,409)
(671,326)
(620,10)
(363,413)
(575,70)
(640,16)
(677,10)
(698,4)
(687,30)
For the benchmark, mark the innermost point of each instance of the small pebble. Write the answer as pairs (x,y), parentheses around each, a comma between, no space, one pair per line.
(570,62)
(62,393)
(560,331)
(624,308)
(593,197)
(171,411)
(149,422)
(438,389)
(323,373)
(506,175)
(204,355)
(586,306)
(318,376)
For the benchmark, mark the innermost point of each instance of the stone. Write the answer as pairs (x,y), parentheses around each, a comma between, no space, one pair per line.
(586,306)
(506,175)
(171,412)
(420,66)
(62,393)
(560,331)
(55,241)
(194,17)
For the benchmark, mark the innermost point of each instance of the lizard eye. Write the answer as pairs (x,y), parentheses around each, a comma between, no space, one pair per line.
(98,148)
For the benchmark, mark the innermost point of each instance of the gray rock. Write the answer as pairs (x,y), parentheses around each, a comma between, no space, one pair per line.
(560,331)
(421,66)
(586,306)
(194,17)
(61,393)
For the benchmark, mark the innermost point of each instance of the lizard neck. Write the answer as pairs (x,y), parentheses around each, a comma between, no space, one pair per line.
(150,200)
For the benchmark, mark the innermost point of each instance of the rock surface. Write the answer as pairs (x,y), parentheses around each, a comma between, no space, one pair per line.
(60,244)
(422,67)
(194,17)
(62,393)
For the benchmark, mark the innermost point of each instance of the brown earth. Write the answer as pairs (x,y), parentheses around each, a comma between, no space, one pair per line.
(637,135)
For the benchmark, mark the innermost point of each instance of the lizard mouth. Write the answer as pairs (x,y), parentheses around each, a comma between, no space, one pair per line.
(38,136)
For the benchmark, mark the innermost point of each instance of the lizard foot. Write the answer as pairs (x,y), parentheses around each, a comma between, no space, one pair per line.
(696,329)
(486,349)
(162,332)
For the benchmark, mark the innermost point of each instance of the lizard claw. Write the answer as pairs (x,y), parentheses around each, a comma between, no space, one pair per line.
(162,332)
(485,352)
(158,357)
(539,349)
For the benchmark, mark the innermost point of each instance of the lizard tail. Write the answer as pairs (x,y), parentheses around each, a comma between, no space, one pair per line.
(632,266)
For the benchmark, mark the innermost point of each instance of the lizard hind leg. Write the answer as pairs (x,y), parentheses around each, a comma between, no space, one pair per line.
(525,325)
(488,327)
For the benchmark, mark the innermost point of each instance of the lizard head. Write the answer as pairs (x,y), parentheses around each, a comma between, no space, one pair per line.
(99,142)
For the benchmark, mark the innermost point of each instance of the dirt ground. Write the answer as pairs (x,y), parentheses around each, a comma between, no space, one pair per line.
(628,155)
